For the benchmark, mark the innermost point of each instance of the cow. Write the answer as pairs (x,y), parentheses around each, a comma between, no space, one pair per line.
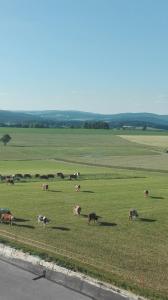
(9,181)
(61,175)
(27,176)
(77,210)
(77,174)
(18,175)
(92,217)
(7,218)
(77,187)
(43,176)
(50,175)
(37,175)
(45,187)
(42,219)
(72,176)
(146,193)
(133,214)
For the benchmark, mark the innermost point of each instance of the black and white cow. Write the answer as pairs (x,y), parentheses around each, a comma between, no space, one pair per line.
(133,214)
(42,219)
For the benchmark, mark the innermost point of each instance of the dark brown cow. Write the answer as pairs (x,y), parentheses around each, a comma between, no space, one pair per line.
(133,214)
(146,193)
(92,217)
(61,175)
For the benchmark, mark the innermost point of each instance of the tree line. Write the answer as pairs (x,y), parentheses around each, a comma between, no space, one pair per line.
(87,124)
(59,124)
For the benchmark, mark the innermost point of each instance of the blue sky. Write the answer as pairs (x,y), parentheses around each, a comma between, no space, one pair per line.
(105,56)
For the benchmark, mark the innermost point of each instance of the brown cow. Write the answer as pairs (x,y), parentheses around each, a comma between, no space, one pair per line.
(7,218)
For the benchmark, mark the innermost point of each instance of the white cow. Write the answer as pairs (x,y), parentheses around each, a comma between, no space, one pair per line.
(77,187)
(77,210)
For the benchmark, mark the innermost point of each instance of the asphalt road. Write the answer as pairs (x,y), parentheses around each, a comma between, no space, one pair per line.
(18,284)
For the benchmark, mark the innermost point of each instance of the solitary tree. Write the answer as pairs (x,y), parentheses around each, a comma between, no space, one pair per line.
(5,139)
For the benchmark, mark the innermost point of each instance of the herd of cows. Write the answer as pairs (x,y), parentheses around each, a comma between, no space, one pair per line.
(7,217)
(11,179)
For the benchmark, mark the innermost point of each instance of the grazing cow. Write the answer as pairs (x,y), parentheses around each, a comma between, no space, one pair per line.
(18,175)
(9,181)
(72,176)
(7,218)
(146,193)
(77,210)
(77,187)
(45,187)
(92,217)
(61,175)
(43,176)
(37,175)
(77,174)
(42,219)
(28,176)
(133,214)
(50,175)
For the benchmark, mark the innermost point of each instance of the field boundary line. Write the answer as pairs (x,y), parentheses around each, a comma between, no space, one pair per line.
(109,166)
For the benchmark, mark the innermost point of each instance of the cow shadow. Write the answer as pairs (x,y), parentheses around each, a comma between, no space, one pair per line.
(107,224)
(61,228)
(20,146)
(21,220)
(54,191)
(87,191)
(156,197)
(84,216)
(147,220)
(24,226)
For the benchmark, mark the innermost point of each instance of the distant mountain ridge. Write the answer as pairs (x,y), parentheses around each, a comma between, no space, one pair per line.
(127,119)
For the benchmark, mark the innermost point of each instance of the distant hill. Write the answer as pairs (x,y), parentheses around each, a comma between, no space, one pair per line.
(114,120)
(14,117)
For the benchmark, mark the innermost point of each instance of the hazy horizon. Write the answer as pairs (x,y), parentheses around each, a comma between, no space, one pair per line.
(80,111)
(99,56)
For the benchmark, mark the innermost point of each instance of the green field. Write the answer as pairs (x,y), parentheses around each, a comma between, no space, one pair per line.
(114,174)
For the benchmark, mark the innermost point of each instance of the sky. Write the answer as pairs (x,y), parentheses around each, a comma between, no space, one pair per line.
(103,56)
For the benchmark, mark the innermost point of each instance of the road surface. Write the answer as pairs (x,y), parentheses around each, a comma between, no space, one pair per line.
(19,284)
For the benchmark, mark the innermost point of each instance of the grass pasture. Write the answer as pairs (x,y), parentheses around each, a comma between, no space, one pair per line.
(129,254)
